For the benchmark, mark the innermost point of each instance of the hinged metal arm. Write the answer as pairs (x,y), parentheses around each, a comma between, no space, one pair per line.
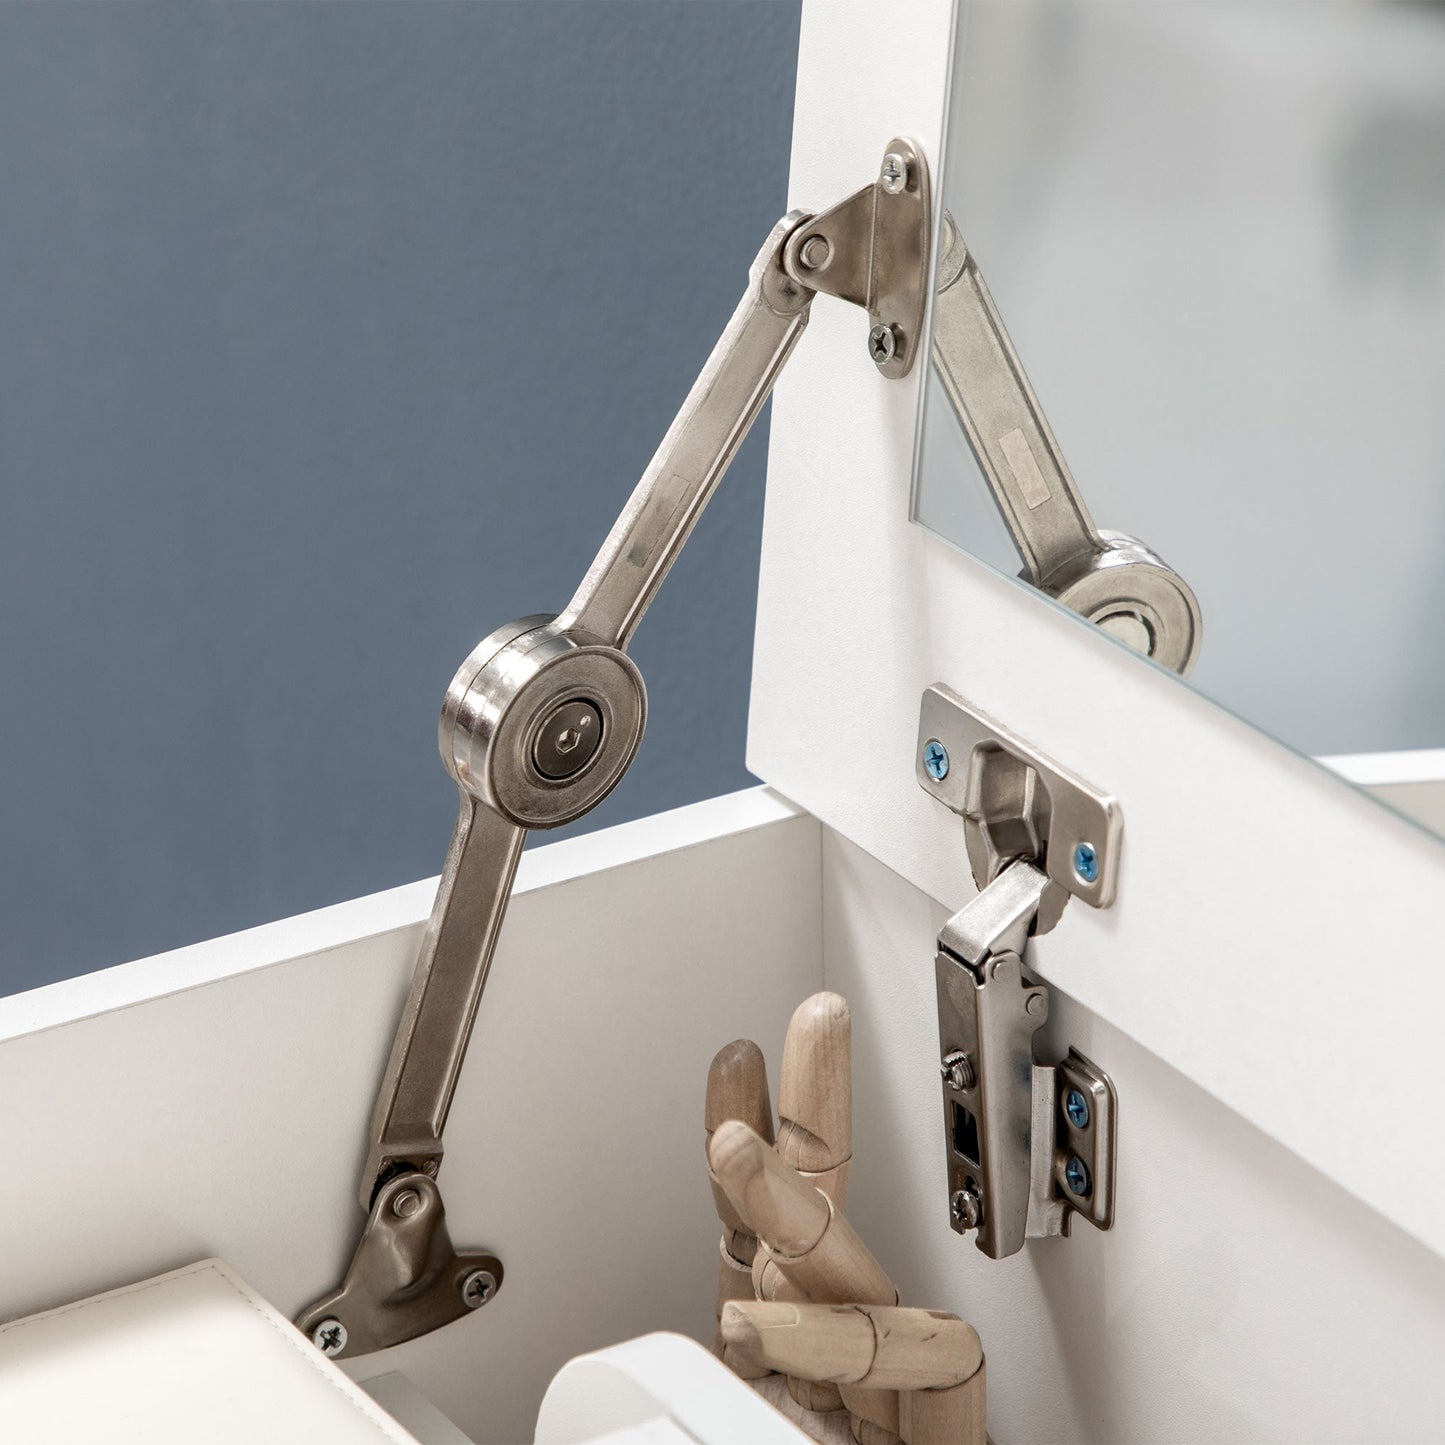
(1028,1145)
(871,250)
(988,1016)
(585,706)
(539,725)
(451,972)
(698,448)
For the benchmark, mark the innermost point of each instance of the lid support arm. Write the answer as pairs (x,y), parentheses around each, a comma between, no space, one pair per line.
(543,719)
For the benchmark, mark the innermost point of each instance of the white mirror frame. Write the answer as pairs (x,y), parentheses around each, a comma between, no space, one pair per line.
(1277,936)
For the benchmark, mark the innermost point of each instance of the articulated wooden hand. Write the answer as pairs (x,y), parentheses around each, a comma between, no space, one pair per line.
(799,1291)
(814,1135)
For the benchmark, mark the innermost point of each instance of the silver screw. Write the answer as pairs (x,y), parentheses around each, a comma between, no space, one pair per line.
(1076,1176)
(883,343)
(894,175)
(406,1203)
(477,1288)
(814,252)
(329,1337)
(1076,1106)
(957,1070)
(964,1208)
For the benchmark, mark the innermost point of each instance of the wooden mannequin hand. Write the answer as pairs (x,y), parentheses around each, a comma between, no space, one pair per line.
(815,1302)
(933,1359)
(814,1135)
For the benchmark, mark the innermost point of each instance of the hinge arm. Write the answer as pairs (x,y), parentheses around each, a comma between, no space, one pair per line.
(543,719)
(698,448)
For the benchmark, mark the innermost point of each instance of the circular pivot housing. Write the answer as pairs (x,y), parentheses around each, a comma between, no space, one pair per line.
(1134,595)
(540,723)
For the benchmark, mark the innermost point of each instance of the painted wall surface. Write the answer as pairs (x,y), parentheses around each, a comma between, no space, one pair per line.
(334,337)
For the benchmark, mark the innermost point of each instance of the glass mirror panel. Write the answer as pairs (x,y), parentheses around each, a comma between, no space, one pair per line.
(1191,289)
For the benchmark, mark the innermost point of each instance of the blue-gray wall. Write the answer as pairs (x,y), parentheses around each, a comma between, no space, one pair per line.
(332,337)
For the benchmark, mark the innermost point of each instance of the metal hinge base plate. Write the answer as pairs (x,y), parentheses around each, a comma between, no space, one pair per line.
(405,1279)
(1016,802)
(874,250)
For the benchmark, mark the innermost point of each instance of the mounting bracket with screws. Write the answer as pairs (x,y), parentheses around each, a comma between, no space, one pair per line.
(873,250)
(1029,1145)
(406,1277)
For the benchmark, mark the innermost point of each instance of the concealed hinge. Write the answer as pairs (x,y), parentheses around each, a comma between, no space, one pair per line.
(1028,1144)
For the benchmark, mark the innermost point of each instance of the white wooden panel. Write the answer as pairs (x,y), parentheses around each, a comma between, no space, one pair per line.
(214,1102)
(195,1355)
(1277,934)
(1240,1296)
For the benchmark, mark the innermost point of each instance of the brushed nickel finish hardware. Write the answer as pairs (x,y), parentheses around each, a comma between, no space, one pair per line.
(545,716)
(1028,1145)
(875,252)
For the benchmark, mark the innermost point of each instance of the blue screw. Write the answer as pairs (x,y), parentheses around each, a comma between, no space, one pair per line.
(1076,1176)
(1076,1106)
(935,759)
(1086,862)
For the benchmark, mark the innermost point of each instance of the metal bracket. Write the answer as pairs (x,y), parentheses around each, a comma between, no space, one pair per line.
(873,250)
(405,1279)
(1016,803)
(543,719)
(1028,1145)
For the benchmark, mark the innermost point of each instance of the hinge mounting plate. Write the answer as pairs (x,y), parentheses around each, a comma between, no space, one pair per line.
(874,250)
(1017,803)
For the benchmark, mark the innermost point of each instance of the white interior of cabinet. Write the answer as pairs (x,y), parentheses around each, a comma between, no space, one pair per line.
(213,1102)
(1270,920)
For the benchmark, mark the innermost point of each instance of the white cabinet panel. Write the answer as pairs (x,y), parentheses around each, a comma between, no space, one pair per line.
(1275,932)
(1237,1291)
(195,1355)
(1240,1296)
(223,1111)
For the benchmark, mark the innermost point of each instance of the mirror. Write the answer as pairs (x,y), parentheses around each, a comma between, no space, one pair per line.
(1189,351)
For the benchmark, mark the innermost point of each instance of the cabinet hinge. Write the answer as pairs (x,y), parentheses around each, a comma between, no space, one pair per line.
(1028,1144)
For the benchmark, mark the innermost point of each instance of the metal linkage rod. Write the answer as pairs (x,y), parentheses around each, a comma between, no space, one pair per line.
(540,724)
(539,729)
